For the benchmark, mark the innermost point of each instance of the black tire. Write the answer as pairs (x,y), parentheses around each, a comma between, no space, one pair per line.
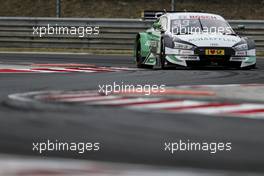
(250,67)
(162,54)
(254,66)
(139,58)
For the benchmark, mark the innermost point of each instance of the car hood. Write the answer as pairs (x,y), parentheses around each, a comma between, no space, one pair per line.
(213,40)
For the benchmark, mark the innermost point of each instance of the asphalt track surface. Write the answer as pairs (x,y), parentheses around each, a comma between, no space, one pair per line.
(127,136)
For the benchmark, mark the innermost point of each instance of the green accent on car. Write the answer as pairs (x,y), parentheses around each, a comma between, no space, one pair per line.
(144,48)
(150,60)
(250,59)
(173,59)
(145,39)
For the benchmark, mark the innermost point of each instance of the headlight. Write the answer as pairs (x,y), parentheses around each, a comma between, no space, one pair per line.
(241,47)
(182,46)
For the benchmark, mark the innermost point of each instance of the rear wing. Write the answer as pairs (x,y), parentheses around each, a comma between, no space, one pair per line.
(154,15)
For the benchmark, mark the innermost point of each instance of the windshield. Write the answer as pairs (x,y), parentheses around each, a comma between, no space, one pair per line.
(190,26)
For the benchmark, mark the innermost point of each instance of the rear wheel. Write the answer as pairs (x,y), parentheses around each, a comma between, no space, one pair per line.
(162,54)
(139,58)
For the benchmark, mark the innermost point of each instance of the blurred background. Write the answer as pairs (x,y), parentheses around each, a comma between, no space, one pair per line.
(230,9)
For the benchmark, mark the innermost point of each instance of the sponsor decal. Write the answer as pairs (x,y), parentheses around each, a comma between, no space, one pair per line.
(212,39)
(209,17)
(215,52)
(241,53)
(204,17)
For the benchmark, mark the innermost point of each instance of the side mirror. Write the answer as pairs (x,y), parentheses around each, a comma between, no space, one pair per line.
(241,27)
(157,25)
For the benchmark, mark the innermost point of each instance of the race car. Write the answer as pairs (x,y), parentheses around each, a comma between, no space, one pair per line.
(191,39)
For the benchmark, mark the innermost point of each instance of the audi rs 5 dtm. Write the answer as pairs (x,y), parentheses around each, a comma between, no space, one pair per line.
(191,39)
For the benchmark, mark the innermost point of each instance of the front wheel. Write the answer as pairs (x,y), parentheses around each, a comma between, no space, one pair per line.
(249,67)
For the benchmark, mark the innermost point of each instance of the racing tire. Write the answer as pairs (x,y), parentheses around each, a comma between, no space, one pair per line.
(139,58)
(250,67)
(162,54)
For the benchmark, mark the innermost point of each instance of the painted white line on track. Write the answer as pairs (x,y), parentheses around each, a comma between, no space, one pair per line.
(223,109)
(125,101)
(41,53)
(63,96)
(173,104)
(88,99)
(54,68)
(252,115)
(78,70)
(220,85)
